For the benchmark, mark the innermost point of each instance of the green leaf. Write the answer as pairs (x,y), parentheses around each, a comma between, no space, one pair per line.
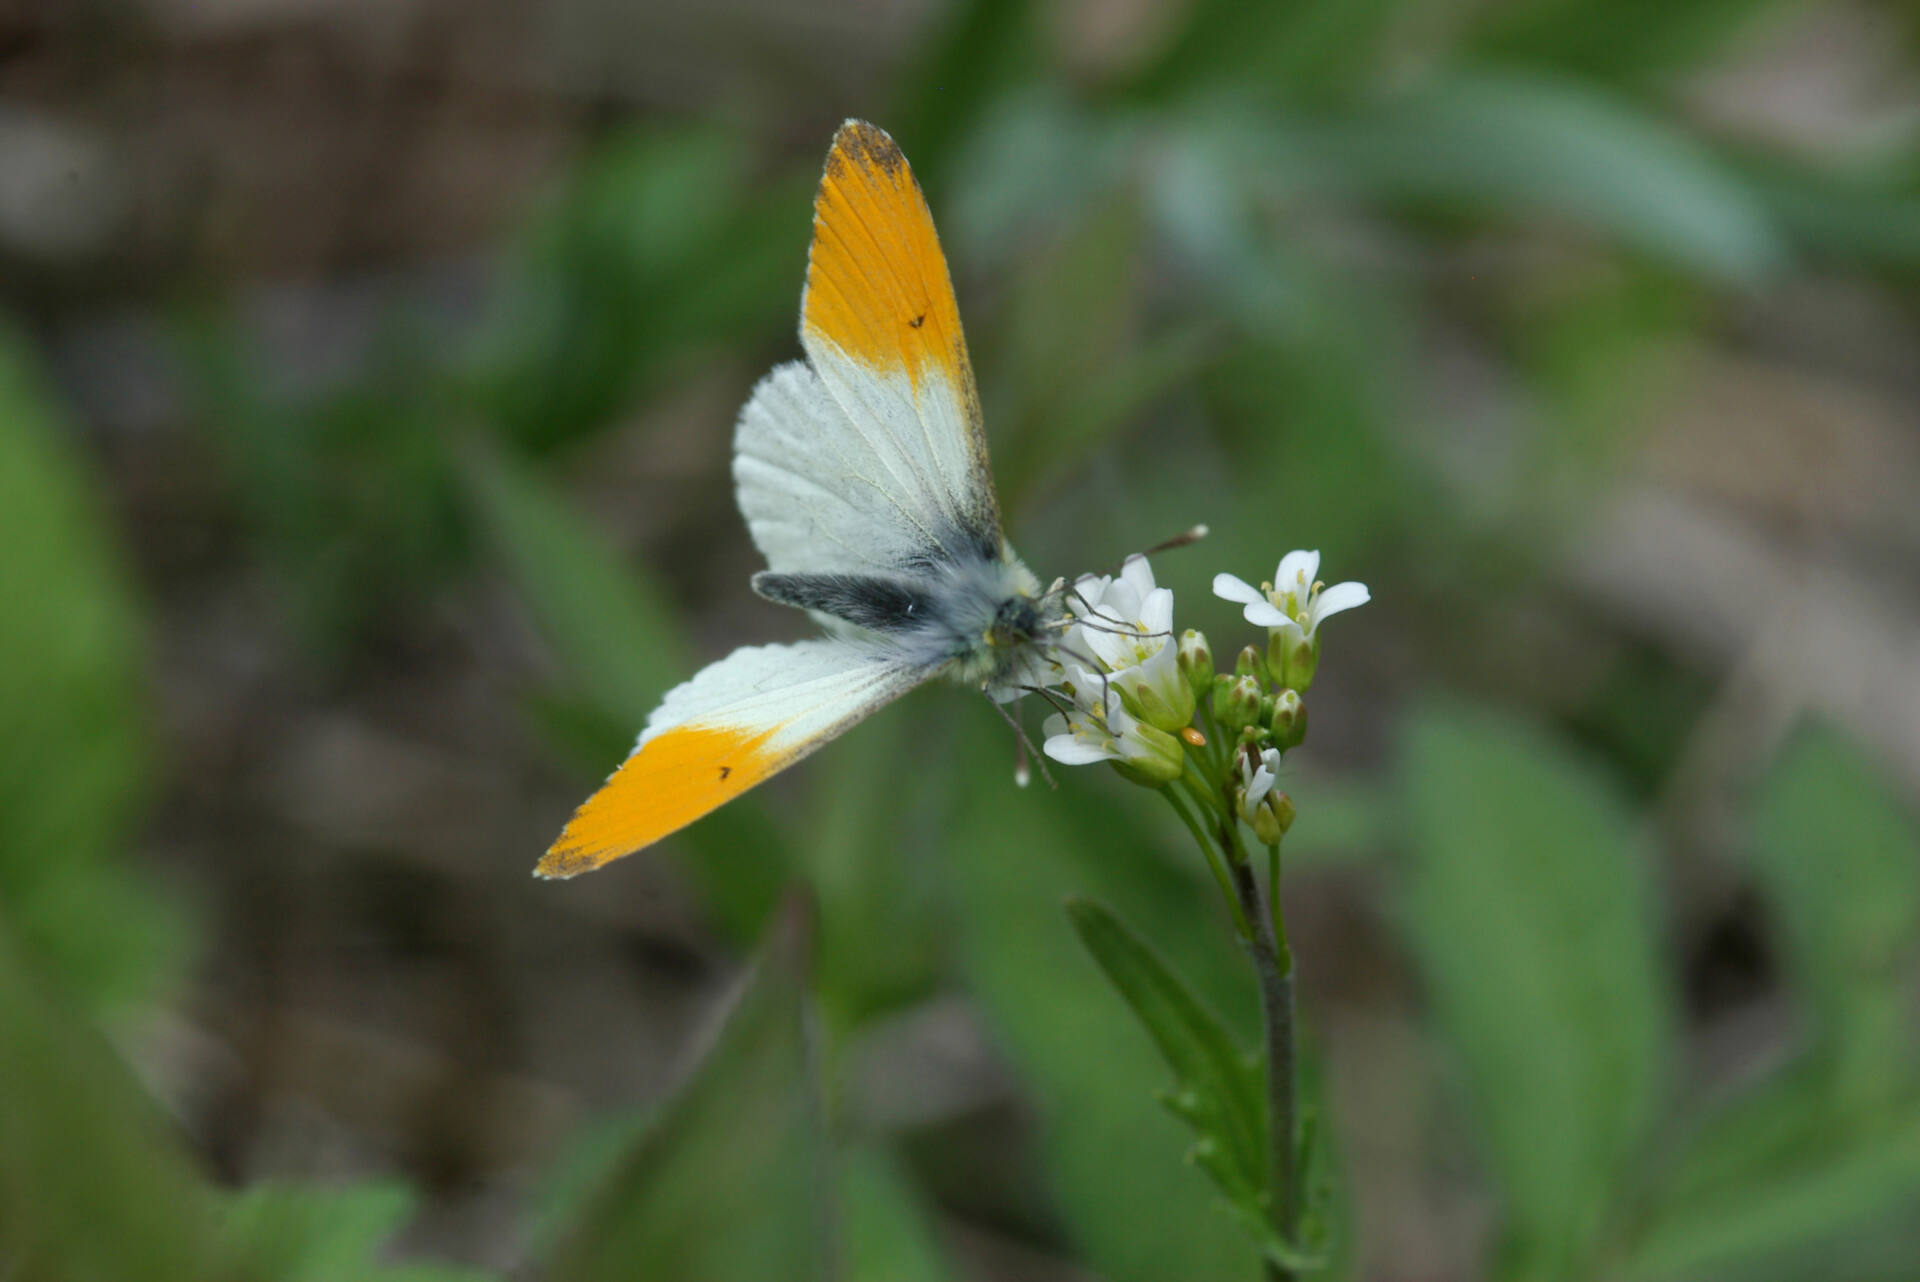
(658,247)
(1808,1163)
(618,637)
(1864,217)
(351,493)
(1070,366)
(1505,143)
(1585,36)
(73,744)
(885,1232)
(92,1188)
(1217,1087)
(1113,1159)
(1840,862)
(294,1233)
(726,1185)
(882,936)
(612,626)
(1780,1174)
(1527,903)
(1306,51)
(981,52)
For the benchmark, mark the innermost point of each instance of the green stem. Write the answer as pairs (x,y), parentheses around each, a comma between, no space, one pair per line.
(1217,757)
(1273,907)
(1206,792)
(1276,1008)
(1214,863)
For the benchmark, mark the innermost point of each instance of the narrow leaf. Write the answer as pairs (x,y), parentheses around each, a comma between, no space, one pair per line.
(73,749)
(1840,862)
(618,638)
(1112,1159)
(91,1187)
(294,1233)
(726,1186)
(886,1234)
(1216,1086)
(1805,1187)
(1506,142)
(1527,905)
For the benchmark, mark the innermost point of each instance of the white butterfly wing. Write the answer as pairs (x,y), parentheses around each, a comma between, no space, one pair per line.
(817,497)
(869,459)
(736,723)
(872,457)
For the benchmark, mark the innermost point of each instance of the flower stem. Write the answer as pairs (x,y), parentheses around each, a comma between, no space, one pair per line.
(1274,966)
(1214,862)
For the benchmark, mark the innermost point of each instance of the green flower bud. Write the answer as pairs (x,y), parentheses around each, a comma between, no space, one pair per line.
(1166,707)
(1222,685)
(1271,818)
(1289,720)
(1293,658)
(1153,757)
(1248,664)
(1243,703)
(1283,811)
(1196,662)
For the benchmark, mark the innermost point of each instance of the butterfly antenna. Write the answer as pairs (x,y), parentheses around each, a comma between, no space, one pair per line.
(1054,698)
(1192,534)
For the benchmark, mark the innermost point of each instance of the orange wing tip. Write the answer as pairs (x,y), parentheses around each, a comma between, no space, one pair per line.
(562,865)
(673,779)
(869,144)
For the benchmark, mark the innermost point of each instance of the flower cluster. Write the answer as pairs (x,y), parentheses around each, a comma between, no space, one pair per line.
(1123,676)
(1127,692)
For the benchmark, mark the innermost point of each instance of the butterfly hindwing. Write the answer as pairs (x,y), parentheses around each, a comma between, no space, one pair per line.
(736,723)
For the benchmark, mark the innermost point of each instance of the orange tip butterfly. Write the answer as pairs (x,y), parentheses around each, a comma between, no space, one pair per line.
(862,472)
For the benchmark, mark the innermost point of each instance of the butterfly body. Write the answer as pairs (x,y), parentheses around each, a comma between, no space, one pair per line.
(862,473)
(970,618)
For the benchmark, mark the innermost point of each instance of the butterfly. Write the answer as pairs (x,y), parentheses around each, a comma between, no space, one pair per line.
(862,473)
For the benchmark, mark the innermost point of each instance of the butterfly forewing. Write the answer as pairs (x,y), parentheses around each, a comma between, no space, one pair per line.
(881,328)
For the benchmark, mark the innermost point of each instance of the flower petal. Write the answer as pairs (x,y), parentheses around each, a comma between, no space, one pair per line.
(1088,591)
(1341,596)
(1264,613)
(1070,750)
(1229,588)
(1156,612)
(1296,572)
(1137,574)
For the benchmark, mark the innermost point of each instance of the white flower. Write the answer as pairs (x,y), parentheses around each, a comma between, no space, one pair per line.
(1295,602)
(1267,812)
(1089,732)
(1127,628)
(1257,781)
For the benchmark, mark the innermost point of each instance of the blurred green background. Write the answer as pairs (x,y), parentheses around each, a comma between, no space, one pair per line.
(367,375)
